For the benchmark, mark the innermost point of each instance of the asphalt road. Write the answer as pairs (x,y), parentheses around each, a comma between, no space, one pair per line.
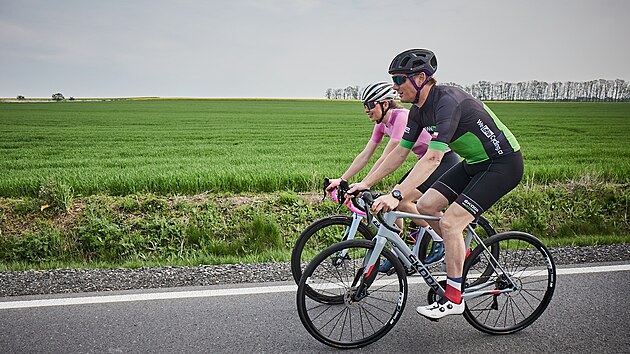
(589,313)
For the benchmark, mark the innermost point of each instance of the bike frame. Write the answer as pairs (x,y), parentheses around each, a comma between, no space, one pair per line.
(387,234)
(358,216)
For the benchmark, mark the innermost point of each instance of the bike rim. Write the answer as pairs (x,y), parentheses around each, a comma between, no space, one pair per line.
(504,307)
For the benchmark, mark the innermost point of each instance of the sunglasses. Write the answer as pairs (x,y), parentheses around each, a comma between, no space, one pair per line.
(399,80)
(369,105)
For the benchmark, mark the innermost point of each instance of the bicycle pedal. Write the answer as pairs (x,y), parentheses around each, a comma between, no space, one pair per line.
(391,271)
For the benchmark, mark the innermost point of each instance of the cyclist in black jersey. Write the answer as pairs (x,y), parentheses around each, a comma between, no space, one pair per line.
(492,165)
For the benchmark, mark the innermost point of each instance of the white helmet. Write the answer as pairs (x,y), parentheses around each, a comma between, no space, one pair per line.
(380,91)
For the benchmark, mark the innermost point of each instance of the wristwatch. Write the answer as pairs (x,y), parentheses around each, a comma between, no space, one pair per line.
(396,194)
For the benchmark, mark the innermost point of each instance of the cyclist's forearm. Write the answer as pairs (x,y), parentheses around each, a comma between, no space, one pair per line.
(357,165)
(418,175)
(391,146)
(393,160)
(377,164)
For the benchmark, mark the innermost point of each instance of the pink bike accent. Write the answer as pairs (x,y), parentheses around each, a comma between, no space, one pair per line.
(348,203)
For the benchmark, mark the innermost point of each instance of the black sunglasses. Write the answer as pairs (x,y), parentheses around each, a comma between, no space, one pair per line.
(369,105)
(399,80)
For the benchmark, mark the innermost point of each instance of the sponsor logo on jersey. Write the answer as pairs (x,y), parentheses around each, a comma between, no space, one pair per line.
(485,130)
(407,130)
(430,128)
(434,135)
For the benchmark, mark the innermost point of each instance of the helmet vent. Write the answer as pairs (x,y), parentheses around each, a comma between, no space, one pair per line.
(417,63)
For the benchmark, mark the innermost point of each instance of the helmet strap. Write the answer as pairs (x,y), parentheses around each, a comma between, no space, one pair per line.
(384,112)
(413,82)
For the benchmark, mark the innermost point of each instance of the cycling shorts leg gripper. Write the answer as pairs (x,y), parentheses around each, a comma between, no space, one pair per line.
(490,181)
(470,205)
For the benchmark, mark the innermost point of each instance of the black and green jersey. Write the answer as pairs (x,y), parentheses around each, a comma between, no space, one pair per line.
(457,120)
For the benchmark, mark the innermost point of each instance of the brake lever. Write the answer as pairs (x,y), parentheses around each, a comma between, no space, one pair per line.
(368,200)
(342,189)
(326,184)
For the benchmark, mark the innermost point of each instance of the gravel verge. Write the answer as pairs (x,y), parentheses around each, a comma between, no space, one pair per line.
(60,281)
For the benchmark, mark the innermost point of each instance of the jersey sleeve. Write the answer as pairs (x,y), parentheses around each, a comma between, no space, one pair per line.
(447,116)
(400,123)
(413,128)
(377,133)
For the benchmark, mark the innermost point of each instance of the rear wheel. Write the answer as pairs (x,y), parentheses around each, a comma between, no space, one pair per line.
(507,296)
(321,234)
(359,315)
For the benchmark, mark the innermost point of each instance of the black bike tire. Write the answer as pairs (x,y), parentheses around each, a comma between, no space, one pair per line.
(302,294)
(546,299)
(314,227)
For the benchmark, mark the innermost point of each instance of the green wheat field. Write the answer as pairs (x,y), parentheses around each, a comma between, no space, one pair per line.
(122,147)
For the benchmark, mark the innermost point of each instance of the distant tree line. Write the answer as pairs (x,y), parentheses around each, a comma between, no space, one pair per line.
(348,93)
(590,91)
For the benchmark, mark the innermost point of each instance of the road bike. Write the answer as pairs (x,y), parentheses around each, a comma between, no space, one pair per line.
(328,230)
(508,280)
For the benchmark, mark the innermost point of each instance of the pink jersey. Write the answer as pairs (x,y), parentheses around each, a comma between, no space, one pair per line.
(395,128)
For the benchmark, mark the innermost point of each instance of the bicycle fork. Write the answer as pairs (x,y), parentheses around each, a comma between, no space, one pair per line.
(366,275)
(349,234)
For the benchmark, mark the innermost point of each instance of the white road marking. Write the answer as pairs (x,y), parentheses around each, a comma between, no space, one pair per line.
(4,305)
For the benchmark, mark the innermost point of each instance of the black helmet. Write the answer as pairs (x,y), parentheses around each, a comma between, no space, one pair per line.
(414,61)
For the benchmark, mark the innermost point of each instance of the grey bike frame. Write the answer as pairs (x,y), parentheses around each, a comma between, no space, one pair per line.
(356,220)
(410,260)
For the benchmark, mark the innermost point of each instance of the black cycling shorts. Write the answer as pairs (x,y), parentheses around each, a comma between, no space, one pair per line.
(478,186)
(449,160)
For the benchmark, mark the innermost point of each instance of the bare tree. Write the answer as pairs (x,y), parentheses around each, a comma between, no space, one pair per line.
(590,91)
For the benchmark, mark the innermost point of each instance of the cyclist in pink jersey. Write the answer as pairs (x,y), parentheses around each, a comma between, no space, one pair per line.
(391,120)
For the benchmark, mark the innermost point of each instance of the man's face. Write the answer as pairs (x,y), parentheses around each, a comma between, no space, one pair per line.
(404,87)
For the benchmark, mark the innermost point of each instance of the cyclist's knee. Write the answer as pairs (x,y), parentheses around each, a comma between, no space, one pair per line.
(425,206)
(455,221)
(449,225)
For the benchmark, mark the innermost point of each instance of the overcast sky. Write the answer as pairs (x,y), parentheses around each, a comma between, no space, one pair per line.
(298,48)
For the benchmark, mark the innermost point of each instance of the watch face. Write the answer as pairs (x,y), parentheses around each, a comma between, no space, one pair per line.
(396,194)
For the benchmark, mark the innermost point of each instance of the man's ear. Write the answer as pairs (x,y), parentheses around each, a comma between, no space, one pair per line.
(421,77)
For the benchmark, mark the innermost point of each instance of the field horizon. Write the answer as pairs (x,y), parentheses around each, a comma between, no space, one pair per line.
(256,146)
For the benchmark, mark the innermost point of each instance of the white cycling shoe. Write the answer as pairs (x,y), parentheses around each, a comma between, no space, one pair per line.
(441,308)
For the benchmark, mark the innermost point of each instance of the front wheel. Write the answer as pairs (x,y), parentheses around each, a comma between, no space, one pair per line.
(507,292)
(362,315)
